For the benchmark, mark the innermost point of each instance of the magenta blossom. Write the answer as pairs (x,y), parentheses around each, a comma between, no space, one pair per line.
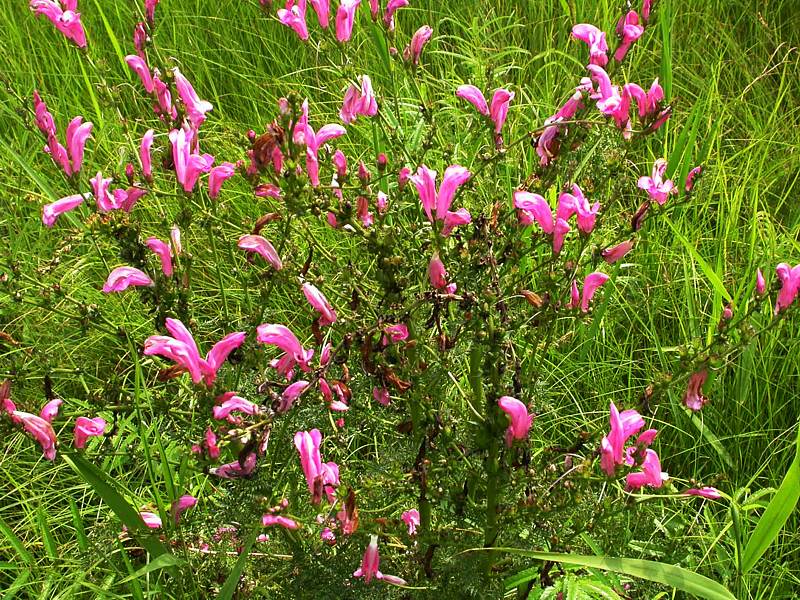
(314,141)
(230,402)
(188,163)
(44,119)
(790,280)
(440,200)
(77,134)
(151,520)
(437,275)
(596,40)
(290,394)
(196,108)
(497,111)
(285,522)
(381,396)
(694,398)
(61,13)
(150,10)
(217,176)
(261,246)
(50,410)
(294,16)
(391,8)
(629,30)
(612,447)
(577,204)
(323,9)
(51,212)
(283,338)
(610,101)
(761,284)
(395,333)
(181,505)
(650,475)
(86,428)
(413,51)
(163,252)
(705,492)
(690,178)
(39,428)
(320,303)
(656,187)
(520,419)
(615,253)
(359,100)
(236,469)
(370,565)
(100,186)
(649,102)
(590,285)
(411,518)
(320,477)
(139,66)
(182,349)
(123,277)
(345,17)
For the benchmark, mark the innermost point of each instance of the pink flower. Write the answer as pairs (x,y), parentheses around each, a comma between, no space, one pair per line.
(314,141)
(50,410)
(534,208)
(231,402)
(706,492)
(370,564)
(139,66)
(150,10)
(656,187)
(320,303)
(327,535)
(294,16)
(261,246)
(65,19)
(411,518)
(362,211)
(267,190)
(152,520)
(218,175)
(790,280)
(615,253)
(211,443)
(122,277)
(381,395)
(164,99)
(345,17)
(77,134)
(188,164)
(182,349)
(339,161)
(236,469)
(290,394)
(396,333)
(413,51)
(164,253)
(144,154)
(40,429)
(320,477)
(196,108)
(761,285)
(283,338)
(646,10)
(391,8)
(612,446)
(520,419)
(285,522)
(648,102)
(140,39)
(690,177)
(693,398)
(499,106)
(51,212)
(44,119)
(86,428)
(610,101)
(359,101)
(576,203)
(437,275)
(322,8)
(596,40)
(181,505)
(381,202)
(100,186)
(629,30)
(650,475)
(425,182)
(590,285)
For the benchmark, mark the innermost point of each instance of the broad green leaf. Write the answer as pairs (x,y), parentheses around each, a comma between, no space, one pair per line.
(774,518)
(671,575)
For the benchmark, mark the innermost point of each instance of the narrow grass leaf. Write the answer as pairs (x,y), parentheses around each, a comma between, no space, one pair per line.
(232,582)
(16,543)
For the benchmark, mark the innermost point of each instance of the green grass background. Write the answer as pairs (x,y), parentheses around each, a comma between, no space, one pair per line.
(735,60)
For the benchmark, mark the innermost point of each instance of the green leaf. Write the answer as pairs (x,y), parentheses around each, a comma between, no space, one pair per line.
(232,582)
(671,575)
(712,276)
(775,516)
(162,562)
(16,543)
(106,489)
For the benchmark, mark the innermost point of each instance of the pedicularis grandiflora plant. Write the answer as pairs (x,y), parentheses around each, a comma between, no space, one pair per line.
(391,410)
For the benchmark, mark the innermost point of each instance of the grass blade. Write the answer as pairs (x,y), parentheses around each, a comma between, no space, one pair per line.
(670,575)
(16,543)
(232,582)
